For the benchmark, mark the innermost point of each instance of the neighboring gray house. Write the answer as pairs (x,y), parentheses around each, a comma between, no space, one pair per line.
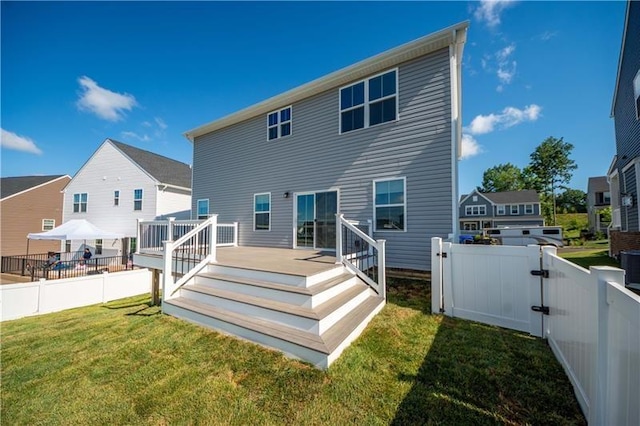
(598,199)
(480,210)
(378,140)
(624,172)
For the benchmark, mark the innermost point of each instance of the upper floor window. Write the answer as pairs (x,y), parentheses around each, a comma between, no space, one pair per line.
(369,102)
(475,210)
(636,93)
(515,209)
(137,199)
(203,209)
(116,198)
(528,209)
(279,123)
(262,212)
(80,203)
(500,210)
(48,224)
(389,204)
(603,197)
(98,246)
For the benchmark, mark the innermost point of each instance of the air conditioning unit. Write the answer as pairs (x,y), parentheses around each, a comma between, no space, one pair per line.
(630,262)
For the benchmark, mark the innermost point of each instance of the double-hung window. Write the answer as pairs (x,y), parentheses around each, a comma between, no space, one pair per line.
(98,246)
(48,224)
(137,199)
(515,209)
(479,210)
(369,102)
(390,204)
(262,212)
(203,209)
(528,209)
(279,123)
(80,203)
(500,210)
(116,198)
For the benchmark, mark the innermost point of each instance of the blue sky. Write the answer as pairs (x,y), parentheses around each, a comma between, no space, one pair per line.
(143,73)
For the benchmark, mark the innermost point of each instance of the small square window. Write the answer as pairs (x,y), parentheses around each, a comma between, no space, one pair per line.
(279,123)
(48,224)
(116,198)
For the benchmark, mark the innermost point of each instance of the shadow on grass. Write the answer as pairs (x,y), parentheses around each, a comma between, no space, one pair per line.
(410,293)
(146,308)
(478,374)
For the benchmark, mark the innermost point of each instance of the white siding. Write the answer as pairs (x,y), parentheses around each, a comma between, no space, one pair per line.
(173,202)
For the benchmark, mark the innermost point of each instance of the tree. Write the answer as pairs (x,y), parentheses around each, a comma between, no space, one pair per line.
(503,177)
(572,201)
(551,165)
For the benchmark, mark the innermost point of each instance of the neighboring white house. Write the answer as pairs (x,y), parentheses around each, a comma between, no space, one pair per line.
(120,184)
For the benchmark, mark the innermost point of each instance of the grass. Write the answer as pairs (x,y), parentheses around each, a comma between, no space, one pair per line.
(125,363)
(589,257)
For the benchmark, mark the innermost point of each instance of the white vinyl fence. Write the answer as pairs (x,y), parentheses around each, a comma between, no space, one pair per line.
(26,299)
(593,322)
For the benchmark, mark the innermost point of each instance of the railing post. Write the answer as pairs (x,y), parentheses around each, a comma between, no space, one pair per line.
(235,234)
(214,238)
(167,275)
(170,228)
(138,233)
(382,264)
(339,219)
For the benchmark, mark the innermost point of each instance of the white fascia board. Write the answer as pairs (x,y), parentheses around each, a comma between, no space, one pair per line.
(38,186)
(389,59)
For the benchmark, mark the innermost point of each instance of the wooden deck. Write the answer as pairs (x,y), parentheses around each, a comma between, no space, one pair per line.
(283,261)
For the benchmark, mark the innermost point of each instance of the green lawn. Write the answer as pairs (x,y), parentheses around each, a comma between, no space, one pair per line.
(125,363)
(590,257)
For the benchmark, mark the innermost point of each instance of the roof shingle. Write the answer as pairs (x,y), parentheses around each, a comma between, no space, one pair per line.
(13,185)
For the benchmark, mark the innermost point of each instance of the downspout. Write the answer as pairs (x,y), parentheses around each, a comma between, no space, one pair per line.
(455,65)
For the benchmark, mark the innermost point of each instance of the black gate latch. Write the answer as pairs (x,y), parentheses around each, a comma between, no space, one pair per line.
(544,273)
(443,254)
(543,309)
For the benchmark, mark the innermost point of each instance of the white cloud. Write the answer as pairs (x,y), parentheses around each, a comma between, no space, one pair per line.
(146,124)
(10,140)
(506,67)
(133,135)
(503,54)
(509,117)
(490,11)
(470,147)
(160,122)
(103,102)
(548,35)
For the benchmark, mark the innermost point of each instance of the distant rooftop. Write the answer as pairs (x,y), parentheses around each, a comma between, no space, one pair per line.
(598,184)
(510,197)
(164,170)
(12,185)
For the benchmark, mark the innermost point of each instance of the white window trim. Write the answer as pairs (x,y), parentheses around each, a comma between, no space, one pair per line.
(255,212)
(367,102)
(198,208)
(501,210)
(404,205)
(53,224)
(116,198)
(280,123)
(136,199)
(86,203)
(468,210)
(526,206)
(517,206)
(636,93)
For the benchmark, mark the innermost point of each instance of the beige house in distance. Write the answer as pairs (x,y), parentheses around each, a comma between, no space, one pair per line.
(30,204)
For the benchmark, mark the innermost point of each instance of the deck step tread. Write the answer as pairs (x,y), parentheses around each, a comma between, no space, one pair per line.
(326,343)
(307,291)
(317,313)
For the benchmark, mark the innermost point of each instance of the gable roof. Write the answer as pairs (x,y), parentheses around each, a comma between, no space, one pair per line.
(598,184)
(525,196)
(162,169)
(455,34)
(14,185)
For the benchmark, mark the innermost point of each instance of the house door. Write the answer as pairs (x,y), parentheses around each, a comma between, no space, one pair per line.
(316,220)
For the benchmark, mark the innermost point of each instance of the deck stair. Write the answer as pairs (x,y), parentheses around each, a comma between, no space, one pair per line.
(312,316)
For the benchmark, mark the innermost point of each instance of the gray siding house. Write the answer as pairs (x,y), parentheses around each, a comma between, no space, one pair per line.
(378,140)
(598,199)
(625,168)
(499,209)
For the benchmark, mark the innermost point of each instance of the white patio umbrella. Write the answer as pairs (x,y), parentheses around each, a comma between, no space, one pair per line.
(76,229)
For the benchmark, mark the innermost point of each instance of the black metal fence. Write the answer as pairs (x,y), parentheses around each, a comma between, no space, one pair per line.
(38,266)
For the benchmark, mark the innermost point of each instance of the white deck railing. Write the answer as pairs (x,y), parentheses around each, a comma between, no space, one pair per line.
(359,252)
(151,234)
